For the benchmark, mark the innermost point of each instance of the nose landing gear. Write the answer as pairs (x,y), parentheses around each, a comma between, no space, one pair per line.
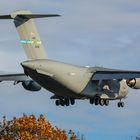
(120,104)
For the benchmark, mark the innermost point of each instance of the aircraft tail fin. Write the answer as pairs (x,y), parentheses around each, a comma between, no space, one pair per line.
(27,31)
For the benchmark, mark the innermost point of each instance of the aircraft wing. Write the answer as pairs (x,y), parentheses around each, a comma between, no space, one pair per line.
(108,74)
(14,77)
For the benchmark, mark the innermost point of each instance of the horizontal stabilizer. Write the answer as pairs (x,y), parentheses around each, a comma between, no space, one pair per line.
(28,16)
(38,15)
(5,17)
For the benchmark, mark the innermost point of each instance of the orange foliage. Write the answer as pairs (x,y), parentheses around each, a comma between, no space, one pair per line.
(30,128)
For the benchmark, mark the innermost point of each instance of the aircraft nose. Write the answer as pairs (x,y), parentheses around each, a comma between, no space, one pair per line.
(27,64)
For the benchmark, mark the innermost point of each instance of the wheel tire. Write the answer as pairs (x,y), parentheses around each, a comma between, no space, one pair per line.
(97,101)
(57,102)
(106,102)
(122,104)
(91,101)
(72,101)
(62,103)
(67,102)
(101,102)
(119,105)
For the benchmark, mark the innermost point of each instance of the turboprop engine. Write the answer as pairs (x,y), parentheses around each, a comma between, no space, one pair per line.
(134,83)
(31,85)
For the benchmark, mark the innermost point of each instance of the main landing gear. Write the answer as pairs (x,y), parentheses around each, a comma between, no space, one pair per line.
(99,101)
(102,102)
(65,102)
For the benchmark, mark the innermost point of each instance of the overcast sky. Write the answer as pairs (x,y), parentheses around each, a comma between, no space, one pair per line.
(90,32)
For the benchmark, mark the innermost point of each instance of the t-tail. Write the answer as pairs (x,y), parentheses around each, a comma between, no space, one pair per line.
(29,37)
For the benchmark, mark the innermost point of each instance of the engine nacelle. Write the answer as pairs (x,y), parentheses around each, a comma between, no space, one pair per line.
(31,85)
(134,83)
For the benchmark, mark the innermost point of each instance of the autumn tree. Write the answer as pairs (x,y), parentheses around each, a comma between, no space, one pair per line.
(31,128)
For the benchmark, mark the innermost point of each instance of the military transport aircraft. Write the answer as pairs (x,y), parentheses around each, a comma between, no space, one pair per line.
(67,82)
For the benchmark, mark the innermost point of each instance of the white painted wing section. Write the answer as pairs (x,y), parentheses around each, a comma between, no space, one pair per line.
(13,77)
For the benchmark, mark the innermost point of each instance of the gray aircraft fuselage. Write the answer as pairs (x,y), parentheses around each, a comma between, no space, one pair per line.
(69,81)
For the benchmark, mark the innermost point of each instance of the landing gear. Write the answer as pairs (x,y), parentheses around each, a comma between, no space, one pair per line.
(91,101)
(72,101)
(120,104)
(99,101)
(67,102)
(57,102)
(106,102)
(64,102)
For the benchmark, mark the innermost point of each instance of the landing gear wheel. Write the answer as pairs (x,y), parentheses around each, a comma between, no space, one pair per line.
(106,102)
(67,103)
(120,104)
(62,103)
(72,101)
(101,102)
(96,101)
(57,102)
(91,101)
